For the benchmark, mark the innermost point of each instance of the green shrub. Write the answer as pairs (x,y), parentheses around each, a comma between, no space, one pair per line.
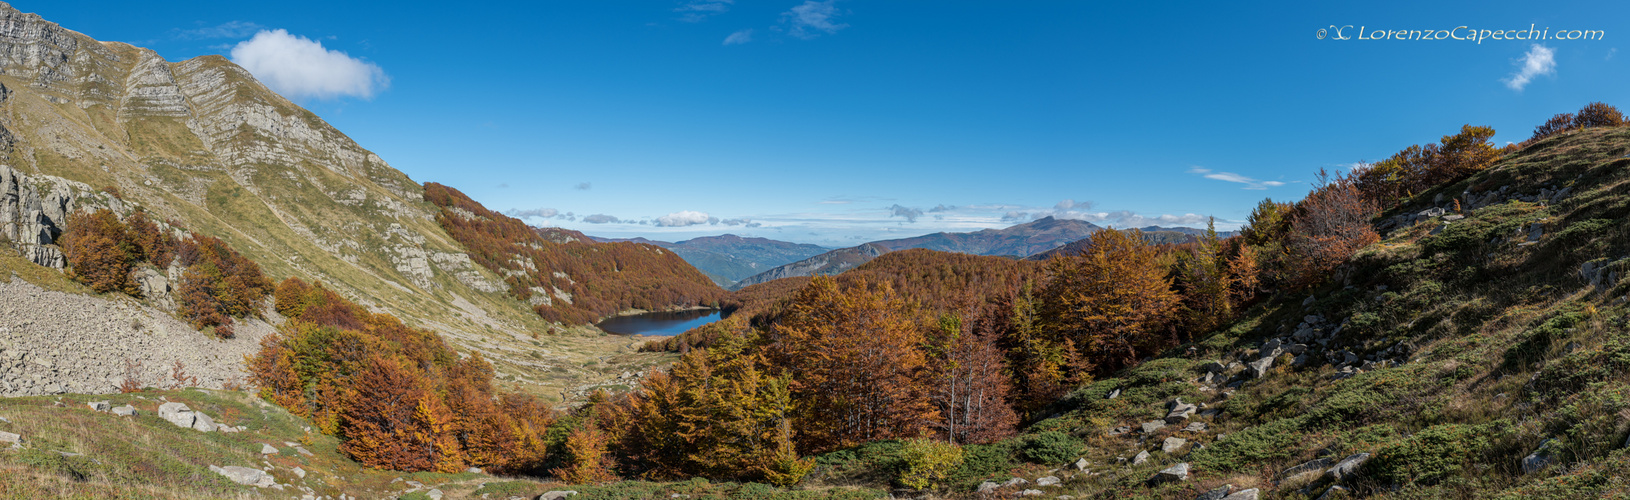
(1436,453)
(1248,449)
(1536,342)
(1052,448)
(985,461)
(927,463)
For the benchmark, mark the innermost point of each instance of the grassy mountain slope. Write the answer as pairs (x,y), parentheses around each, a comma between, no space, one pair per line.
(826,264)
(201,142)
(1456,353)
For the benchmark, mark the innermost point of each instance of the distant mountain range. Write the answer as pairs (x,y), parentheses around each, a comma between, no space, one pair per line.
(727,259)
(1018,241)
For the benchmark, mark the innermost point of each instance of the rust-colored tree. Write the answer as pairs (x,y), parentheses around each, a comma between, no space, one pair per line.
(379,421)
(971,390)
(1328,226)
(1113,301)
(856,369)
(99,252)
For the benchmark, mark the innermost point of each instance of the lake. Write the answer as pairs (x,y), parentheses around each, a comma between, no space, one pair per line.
(663,323)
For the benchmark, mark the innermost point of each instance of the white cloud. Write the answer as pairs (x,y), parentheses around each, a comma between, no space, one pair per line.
(686,218)
(300,67)
(696,11)
(1015,216)
(600,219)
(910,214)
(739,37)
(541,213)
(1128,219)
(812,17)
(1249,183)
(1540,60)
(230,29)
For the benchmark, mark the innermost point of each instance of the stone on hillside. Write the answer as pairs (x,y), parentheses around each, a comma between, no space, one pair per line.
(1260,367)
(1216,493)
(988,487)
(8,437)
(1114,394)
(1172,444)
(1539,459)
(1153,425)
(1535,231)
(558,495)
(433,494)
(1430,212)
(203,423)
(1309,301)
(1175,473)
(1212,367)
(299,472)
(1081,464)
(101,406)
(1453,218)
(1195,427)
(125,411)
(245,475)
(1143,456)
(1120,430)
(177,413)
(1031,493)
(1181,412)
(1248,494)
(1347,466)
(1017,481)
(266,449)
(1047,481)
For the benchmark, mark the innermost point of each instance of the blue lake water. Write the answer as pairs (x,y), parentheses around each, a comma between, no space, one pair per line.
(667,323)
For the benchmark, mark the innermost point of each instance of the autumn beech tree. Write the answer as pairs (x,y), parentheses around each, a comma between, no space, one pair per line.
(99,252)
(1113,300)
(1202,271)
(715,414)
(971,390)
(855,367)
(1328,226)
(398,397)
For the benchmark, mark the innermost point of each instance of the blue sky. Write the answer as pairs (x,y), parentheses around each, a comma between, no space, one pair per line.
(838,122)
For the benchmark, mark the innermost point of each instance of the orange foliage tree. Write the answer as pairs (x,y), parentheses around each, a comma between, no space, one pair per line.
(971,387)
(399,397)
(99,252)
(1113,300)
(855,366)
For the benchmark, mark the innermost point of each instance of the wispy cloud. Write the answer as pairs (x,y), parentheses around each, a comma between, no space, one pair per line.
(601,219)
(540,213)
(229,29)
(686,218)
(696,11)
(1249,183)
(812,18)
(910,214)
(739,37)
(1540,60)
(299,67)
(1015,216)
(584,186)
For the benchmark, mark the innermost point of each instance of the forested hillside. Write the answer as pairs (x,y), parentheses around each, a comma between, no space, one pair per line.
(564,275)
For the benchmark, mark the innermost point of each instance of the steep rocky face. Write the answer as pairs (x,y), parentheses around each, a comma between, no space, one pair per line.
(202,143)
(35,209)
